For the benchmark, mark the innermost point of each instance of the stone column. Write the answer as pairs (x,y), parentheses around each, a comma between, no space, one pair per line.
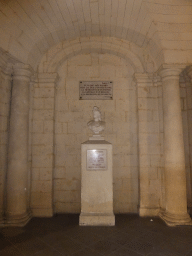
(175,212)
(149,145)
(188,83)
(5,94)
(17,212)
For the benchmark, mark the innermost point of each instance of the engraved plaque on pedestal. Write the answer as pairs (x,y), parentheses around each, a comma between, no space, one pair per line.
(97,159)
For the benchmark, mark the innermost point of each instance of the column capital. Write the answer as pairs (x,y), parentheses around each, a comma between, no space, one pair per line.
(22,71)
(142,78)
(47,77)
(8,70)
(188,71)
(170,71)
(157,79)
(187,77)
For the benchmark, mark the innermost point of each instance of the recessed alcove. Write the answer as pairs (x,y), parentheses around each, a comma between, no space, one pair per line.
(46,48)
(71,117)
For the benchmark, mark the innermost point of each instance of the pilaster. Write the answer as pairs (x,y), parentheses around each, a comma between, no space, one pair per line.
(43,145)
(149,146)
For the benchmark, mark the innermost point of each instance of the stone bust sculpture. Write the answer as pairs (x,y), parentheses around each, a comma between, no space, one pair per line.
(96,125)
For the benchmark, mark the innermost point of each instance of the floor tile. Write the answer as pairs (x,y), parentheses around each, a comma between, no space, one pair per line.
(87,252)
(125,252)
(132,233)
(68,246)
(31,246)
(105,247)
(189,253)
(17,235)
(173,247)
(11,251)
(154,238)
(87,238)
(48,252)
(4,243)
(140,246)
(165,253)
(62,235)
(53,237)
(104,232)
(121,238)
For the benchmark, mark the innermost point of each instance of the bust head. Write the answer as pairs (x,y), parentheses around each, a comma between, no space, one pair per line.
(96,125)
(96,114)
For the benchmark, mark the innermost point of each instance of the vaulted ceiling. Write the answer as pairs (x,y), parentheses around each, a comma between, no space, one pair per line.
(30,27)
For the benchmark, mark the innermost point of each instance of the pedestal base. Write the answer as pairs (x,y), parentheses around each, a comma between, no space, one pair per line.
(95,219)
(175,219)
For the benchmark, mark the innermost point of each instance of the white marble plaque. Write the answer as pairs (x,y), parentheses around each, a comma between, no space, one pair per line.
(95,90)
(97,159)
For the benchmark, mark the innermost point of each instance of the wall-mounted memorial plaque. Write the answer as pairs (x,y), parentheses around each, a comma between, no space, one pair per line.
(95,90)
(97,159)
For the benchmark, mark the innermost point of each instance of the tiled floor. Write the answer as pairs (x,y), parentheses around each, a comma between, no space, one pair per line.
(61,235)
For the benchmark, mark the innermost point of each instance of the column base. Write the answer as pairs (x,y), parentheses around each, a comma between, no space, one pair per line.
(96,219)
(18,220)
(2,220)
(190,210)
(175,219)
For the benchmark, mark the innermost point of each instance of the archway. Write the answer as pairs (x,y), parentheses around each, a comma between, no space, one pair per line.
(121,64)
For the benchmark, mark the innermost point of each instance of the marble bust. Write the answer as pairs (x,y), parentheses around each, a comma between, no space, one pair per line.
(96,125)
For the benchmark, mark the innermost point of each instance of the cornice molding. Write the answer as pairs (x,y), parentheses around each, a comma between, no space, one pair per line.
(47,77)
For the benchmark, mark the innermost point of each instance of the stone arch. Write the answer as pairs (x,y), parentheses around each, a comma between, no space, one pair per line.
(63,51)
(48,69)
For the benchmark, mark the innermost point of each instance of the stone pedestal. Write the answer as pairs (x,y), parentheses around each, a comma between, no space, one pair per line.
(96,184)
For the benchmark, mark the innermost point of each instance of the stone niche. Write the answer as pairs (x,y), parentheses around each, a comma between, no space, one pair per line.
(71,117)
